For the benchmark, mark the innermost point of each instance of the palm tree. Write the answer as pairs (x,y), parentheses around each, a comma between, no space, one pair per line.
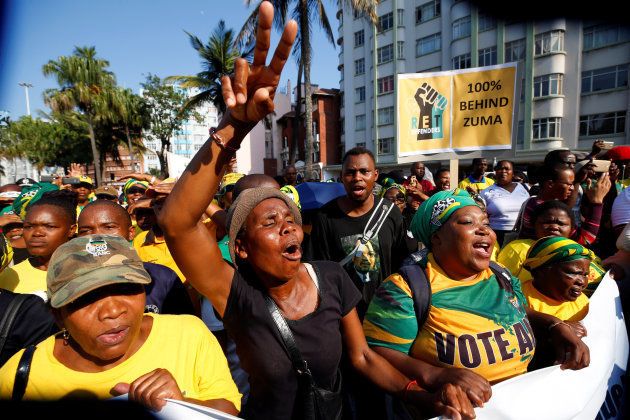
(218,57)
(305,12)
(130,111)
(83,81)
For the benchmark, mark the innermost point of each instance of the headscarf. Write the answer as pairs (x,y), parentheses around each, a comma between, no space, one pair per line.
(388,184)
(134,183)
(293,193)
(30,195)
(555,249)
(6,252)
(435,211)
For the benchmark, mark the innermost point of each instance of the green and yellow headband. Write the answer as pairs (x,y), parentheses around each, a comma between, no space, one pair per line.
(555,249)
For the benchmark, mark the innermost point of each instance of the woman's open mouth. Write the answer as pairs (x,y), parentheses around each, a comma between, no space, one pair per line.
(114,336)
(482,249)
(575,292)
(293,252)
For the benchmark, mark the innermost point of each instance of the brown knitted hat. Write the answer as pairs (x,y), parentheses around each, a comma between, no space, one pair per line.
(245,203)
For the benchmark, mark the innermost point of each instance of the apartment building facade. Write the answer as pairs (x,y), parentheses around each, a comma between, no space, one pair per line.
(573,73)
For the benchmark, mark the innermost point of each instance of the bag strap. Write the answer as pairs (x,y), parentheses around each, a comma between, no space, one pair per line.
(418,282)
(22,372)
(9,317)
(371,232)
(503,275)
(299,364)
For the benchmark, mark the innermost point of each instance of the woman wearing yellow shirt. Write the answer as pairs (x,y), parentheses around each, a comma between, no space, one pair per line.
(108,345)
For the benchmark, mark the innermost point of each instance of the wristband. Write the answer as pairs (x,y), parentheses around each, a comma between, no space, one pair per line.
(216,138)
(408,386)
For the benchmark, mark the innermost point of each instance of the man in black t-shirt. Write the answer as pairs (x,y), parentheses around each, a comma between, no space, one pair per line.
(340,224)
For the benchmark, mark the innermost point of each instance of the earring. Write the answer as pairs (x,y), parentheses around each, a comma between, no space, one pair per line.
(65,336)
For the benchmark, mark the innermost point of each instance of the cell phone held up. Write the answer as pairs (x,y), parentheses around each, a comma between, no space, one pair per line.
(69,180)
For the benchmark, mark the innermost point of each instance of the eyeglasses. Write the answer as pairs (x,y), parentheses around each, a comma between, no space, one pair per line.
(105,197)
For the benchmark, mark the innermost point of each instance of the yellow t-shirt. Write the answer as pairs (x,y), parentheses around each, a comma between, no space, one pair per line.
(24,278)
(182,344)
(566,311)
(154,250)
(485,183)
(512,257)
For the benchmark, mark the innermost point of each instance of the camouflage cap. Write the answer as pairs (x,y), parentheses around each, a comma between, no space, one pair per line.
(91,262)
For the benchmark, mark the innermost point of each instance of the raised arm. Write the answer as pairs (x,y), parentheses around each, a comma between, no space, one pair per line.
(248,95)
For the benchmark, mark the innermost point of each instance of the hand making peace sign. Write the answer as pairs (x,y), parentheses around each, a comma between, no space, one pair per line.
(249,93)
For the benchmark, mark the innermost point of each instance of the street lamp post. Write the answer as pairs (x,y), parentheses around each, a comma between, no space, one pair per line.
(28,105)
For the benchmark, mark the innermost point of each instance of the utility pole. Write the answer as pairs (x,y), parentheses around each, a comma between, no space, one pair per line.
(28,105)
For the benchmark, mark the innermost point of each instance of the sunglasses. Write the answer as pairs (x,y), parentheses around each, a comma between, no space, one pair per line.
(105,197)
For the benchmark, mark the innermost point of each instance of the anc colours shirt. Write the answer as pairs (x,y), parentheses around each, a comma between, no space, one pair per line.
(479,185)
(472,324)
(24,278)
(566,311)
(179,343)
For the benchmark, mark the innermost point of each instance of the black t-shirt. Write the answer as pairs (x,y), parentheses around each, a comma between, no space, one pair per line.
(335,234)
(19,255)
(273,382)
(32,324)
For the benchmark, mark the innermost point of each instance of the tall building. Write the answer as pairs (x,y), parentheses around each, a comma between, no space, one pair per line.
(574,72)
(189,139)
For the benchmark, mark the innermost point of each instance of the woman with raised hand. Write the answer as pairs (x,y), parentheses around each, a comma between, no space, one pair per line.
(316,300)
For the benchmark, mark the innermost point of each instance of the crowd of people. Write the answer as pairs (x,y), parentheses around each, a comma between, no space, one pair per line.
(407,297)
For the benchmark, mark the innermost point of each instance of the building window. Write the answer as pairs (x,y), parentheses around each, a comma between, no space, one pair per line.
(461,62)
(401,17)
(606,34)
(515,50)
(359,66)
(360,144)
(385,54)
(359,122)
(488,56)
(600,124)
(385,85)
(357,14)
(549,84)
(385,146)
(385,116)
(546,128)
(427,11)
(385,22)
(486,22)
(606,78)
(461,28)
(401,50)
(359,38)
(549,42)
(428,44)
(359,94)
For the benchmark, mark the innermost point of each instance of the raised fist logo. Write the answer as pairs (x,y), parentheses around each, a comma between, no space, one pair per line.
(432,104)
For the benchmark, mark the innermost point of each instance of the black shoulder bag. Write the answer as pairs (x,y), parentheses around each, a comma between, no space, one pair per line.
(318,403)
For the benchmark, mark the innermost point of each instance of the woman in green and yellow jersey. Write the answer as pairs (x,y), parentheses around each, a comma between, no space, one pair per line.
(478,330)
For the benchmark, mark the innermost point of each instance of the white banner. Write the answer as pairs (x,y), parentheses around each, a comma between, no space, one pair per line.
(596,392)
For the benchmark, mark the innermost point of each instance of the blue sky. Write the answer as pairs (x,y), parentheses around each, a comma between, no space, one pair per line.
(136,36)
